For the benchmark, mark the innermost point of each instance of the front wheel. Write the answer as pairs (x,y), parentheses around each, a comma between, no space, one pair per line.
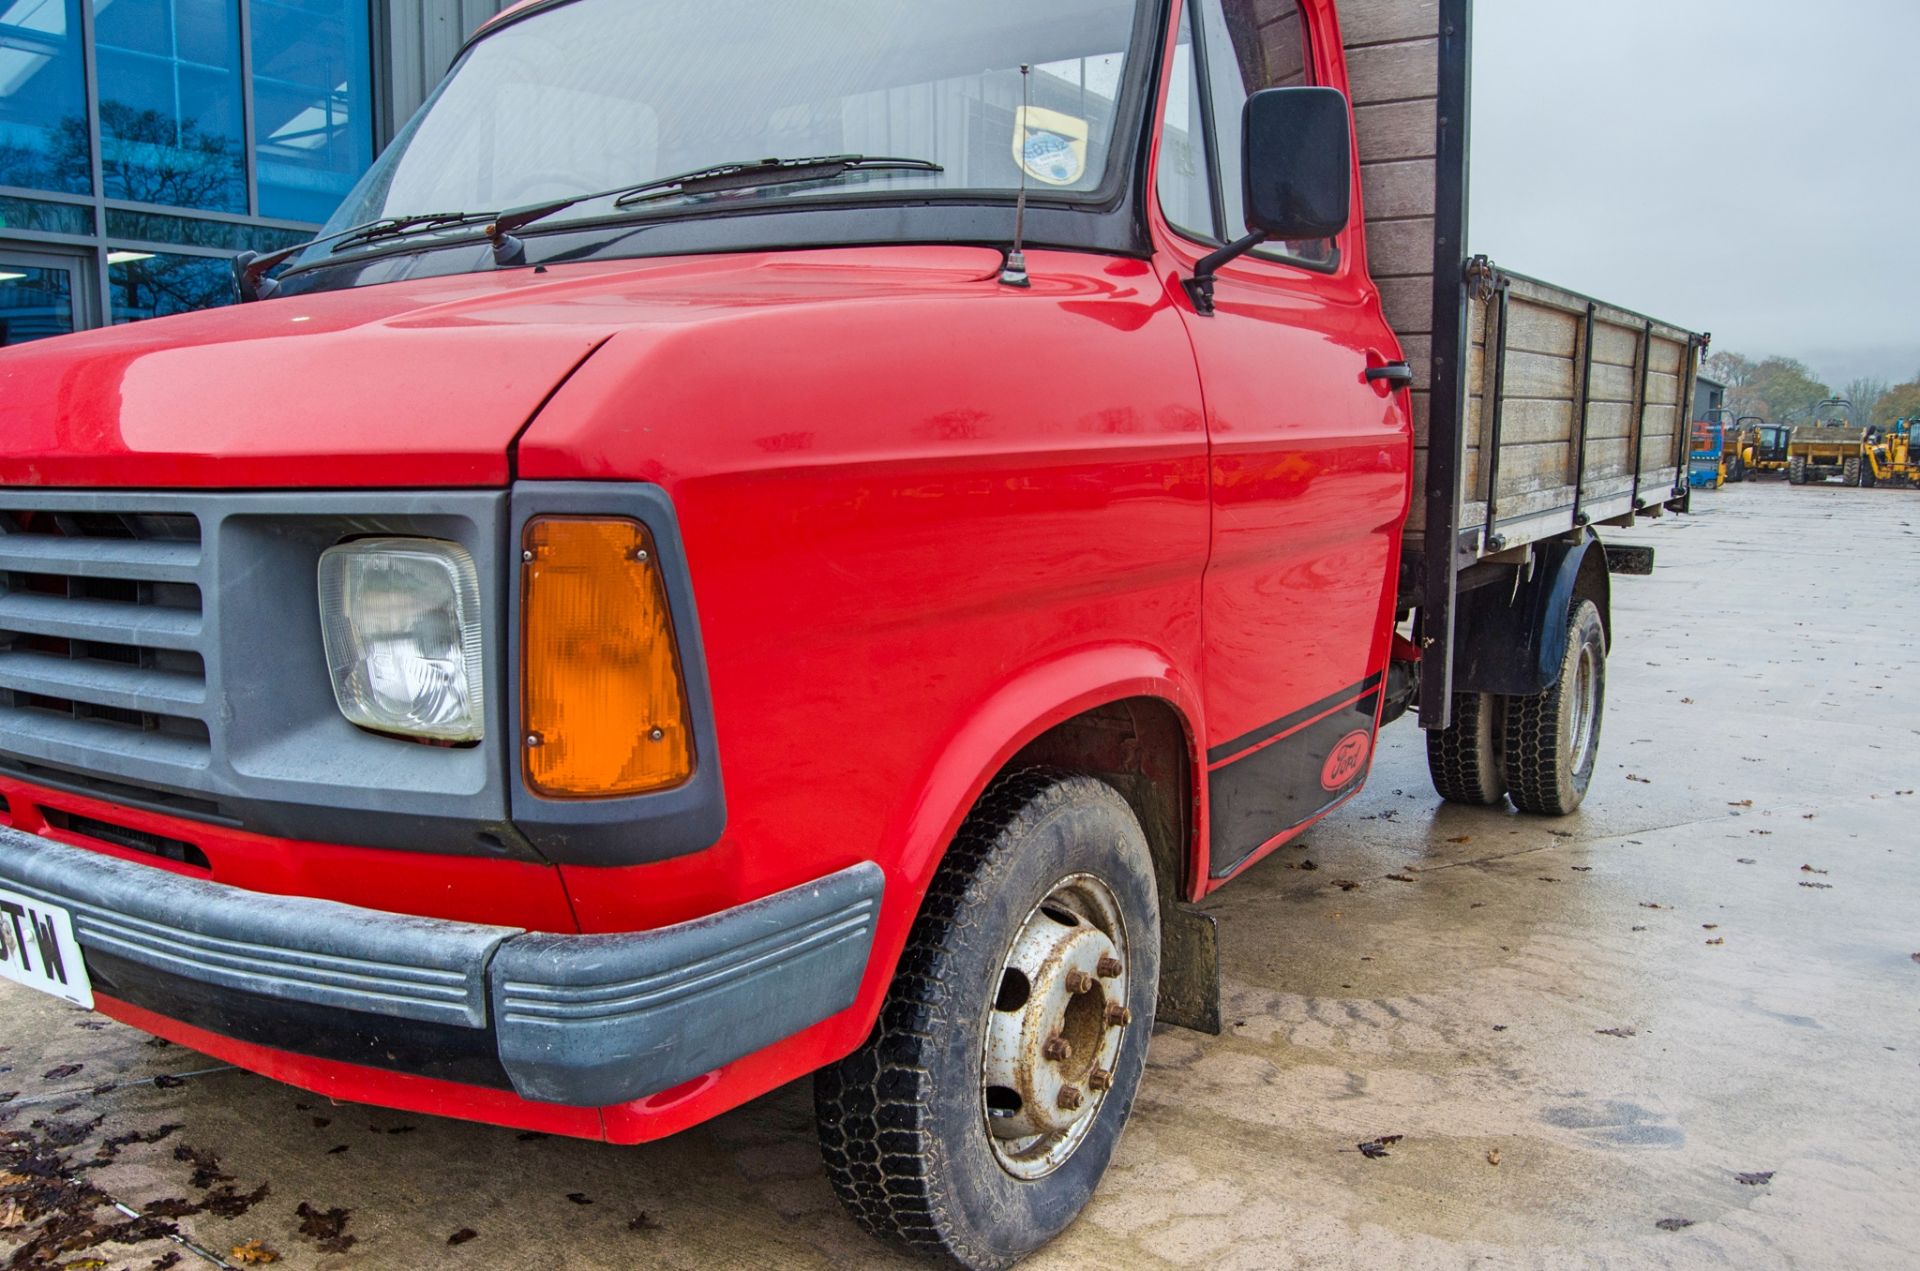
(1796,471)
(1553,738)
(977,1120)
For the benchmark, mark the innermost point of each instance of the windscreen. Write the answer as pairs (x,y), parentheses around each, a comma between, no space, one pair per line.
(599,94)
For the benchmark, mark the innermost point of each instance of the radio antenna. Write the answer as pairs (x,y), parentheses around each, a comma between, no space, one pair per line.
(1014,273)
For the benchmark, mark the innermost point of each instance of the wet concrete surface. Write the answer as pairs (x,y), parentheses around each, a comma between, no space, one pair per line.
(1710,971)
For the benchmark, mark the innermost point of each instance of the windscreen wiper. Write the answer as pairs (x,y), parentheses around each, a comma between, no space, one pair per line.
(250,268)
(717,179)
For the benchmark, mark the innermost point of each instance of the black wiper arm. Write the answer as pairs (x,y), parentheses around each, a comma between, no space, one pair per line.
(250,269)
(762,172)
(726,176)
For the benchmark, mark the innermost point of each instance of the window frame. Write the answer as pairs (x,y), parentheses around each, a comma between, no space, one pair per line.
(1210,142)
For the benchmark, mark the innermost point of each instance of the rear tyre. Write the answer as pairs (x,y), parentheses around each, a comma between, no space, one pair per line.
(1850,473)
(976,1121)
(1796,471)
(1867,479)
(1553,738)
(1467,760)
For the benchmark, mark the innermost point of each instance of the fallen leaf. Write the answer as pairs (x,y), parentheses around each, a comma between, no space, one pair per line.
(1642,780)
(1400,878)
(1616,1032)
(580,1198)
(1346,884)
(1757,1179)
(1648,904)
(253,1253)
(1709,926)
(463,1235)
(325,1227)
(1543,878)
(1818,886)
(61,1072)
(167,1081)
(1581,869)
(1639,928)
(1374,1149)
(1501,1028)
(1463,838)
(1742,803)
(643,1221)
(1718,940)
(1808,869)
(1674,1224)
(335,1151)
(1744,860)
(1493,1156)
(12,1216)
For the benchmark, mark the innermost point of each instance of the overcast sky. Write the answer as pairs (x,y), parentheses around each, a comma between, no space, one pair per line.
(1746,167)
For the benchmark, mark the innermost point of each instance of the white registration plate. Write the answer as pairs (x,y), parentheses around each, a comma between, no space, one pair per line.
(37,949)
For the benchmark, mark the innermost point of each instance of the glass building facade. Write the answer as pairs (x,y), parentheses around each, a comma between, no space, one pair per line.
(144,142)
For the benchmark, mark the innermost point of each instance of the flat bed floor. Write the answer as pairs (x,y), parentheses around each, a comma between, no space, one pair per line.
(1710,972)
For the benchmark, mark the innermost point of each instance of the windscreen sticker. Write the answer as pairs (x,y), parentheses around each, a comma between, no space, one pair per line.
(1052,147)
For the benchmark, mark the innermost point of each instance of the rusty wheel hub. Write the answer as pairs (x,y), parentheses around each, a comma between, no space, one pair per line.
(1054,1030)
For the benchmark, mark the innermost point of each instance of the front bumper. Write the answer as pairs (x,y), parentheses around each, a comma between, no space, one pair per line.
(585,1021)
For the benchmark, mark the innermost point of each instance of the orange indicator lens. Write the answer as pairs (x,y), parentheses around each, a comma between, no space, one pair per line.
(604,703)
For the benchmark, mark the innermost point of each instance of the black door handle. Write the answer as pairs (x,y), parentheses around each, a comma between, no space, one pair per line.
(1398,374)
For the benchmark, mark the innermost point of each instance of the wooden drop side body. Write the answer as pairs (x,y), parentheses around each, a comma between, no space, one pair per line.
(1537,411)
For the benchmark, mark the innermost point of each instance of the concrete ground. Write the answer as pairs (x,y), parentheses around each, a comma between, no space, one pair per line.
(1582,1029)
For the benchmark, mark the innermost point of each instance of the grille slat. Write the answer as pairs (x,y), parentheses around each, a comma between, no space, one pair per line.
(130,688)
(102,663)
(138,560)
(105,621)
(55,738)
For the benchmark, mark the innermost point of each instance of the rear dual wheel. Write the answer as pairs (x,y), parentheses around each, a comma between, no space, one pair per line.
(1850,473)
(976,1121)
(1539,750)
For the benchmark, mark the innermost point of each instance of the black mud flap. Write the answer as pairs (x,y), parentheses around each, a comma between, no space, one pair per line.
(1189,970)
(1629,560)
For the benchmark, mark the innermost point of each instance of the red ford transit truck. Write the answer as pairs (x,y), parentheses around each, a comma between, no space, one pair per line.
(621,622)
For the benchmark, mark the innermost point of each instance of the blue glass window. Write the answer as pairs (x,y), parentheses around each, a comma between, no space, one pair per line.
(170,102)
(43,97)
(312,104)
(154,285)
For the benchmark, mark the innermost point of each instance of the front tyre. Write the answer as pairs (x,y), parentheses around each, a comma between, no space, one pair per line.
(977,1120)
(1796,471)
(1553,738)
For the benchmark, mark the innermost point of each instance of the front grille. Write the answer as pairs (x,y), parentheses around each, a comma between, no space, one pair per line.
(101,649)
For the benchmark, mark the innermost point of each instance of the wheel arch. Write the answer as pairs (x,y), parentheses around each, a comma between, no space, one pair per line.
(1511,640)
(1125,714)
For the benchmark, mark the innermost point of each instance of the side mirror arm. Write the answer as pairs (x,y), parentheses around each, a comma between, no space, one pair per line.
(1200,286)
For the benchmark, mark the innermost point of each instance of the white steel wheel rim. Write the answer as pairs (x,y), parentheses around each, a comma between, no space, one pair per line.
(1055,1027)
(1586,707)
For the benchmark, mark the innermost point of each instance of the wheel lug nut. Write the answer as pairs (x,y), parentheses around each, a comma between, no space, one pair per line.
(1100,1079)
(1109,966)
(1070,1098)
(1058,1049)
(1118,1015)
(1079,982)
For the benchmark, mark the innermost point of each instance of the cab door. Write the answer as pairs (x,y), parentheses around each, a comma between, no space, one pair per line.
(1309,458)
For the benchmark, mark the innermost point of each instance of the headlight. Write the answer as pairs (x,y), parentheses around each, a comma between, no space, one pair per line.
(401,621)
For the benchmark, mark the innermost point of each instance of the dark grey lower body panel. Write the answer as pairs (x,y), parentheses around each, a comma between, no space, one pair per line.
(580,1020)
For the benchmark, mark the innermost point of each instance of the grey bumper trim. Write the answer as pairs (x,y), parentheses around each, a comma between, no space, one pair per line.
(293,948)
(604,1019)
(582,1020)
